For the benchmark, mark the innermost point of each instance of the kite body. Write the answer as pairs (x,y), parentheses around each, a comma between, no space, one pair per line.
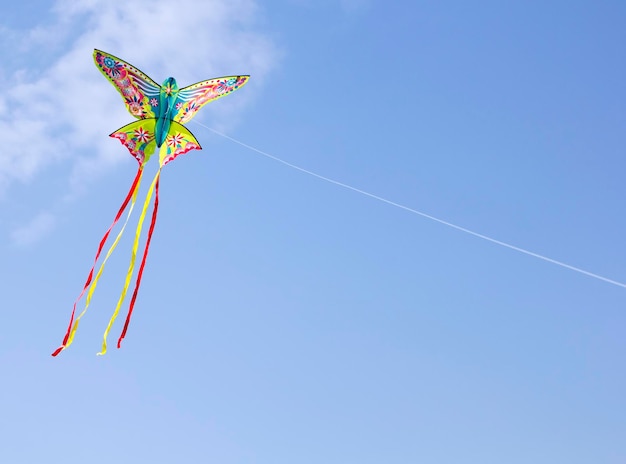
(161,111)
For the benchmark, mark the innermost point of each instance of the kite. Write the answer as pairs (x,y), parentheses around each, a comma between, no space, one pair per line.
(161,111)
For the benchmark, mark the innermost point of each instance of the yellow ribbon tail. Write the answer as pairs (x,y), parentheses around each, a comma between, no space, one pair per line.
(131,266)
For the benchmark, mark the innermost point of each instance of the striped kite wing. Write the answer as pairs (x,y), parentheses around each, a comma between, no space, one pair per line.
(192,98)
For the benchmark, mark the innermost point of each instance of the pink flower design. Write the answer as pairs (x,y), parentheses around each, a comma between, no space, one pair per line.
(154,102)
(135,104)
(175,140)
(135,108)
(123,82)
(141,135)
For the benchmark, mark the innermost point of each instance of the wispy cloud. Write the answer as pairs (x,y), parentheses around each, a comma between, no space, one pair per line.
(31,232)
(61,113)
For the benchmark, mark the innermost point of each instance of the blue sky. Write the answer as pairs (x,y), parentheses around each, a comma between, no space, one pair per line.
(285,319)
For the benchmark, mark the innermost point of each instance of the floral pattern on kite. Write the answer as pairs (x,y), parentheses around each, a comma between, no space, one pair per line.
(135,87)
(193,97)
(139,138)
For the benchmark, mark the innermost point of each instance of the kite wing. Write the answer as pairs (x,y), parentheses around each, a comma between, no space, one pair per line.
(192,98)
(138,90)
(178,142)
(138,137)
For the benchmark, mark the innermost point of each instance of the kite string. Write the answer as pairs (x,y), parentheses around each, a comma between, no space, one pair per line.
(420,213)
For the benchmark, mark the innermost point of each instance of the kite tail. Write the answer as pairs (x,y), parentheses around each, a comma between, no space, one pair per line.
(73,325)
(94,284)
(131,266)
(143,263)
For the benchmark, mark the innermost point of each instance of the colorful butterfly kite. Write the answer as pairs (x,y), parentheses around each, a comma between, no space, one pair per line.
(161,111)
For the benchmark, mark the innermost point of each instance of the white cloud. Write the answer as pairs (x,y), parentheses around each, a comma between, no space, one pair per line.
(38,227)
(65,112)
